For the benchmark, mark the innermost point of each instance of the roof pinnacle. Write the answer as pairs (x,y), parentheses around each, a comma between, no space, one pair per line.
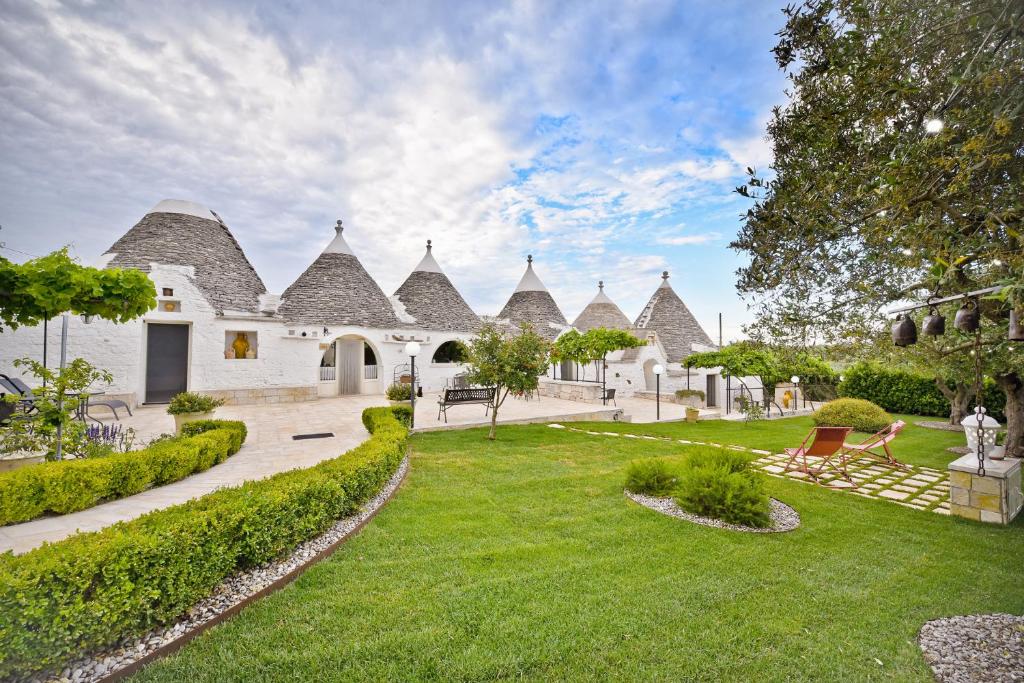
(338,228)
(600,285)
(529,258)
(664,275)
(428,245)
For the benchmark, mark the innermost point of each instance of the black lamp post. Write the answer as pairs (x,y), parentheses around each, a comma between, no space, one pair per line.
(658,369)
(412,349)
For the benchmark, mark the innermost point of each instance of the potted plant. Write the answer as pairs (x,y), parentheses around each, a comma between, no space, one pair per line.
(399,393)
(191,407)
(692,414)
(690,397)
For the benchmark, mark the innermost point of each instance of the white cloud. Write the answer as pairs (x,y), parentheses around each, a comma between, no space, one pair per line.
(682,240)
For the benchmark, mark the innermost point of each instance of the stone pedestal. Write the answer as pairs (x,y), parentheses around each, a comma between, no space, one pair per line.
(996,497)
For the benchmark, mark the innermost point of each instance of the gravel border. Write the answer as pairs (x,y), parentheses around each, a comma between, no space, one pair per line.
(784,518)
(111,663)
(936,424)
(975,648)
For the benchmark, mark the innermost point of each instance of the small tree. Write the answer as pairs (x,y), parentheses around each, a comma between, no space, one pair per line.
(511,363)
(601,341)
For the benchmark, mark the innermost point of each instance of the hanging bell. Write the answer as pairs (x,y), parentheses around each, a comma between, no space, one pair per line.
(904,331)
(934,323)
(1016,325)
(967,317)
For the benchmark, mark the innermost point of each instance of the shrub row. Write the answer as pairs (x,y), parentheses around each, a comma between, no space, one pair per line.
(899,391)
(90,590)
(70,485)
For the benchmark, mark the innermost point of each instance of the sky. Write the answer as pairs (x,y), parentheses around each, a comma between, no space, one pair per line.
(603,138)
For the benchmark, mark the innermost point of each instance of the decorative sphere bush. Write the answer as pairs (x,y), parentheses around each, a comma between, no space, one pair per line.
(863,416)
(721,485)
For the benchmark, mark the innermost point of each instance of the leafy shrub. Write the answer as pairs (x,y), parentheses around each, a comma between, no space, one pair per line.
(71,485)
(188,402)
(687,393)
(863,416)
(650,477)
(720,484)
(399,392)
(93,589)
(908,393)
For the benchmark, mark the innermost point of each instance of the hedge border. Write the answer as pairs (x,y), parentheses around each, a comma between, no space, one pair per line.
(68,486)
(185,638)
(90,590)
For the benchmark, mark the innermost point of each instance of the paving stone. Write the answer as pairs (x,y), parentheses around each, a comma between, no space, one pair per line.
(908,489)
(774,469)
(894,495)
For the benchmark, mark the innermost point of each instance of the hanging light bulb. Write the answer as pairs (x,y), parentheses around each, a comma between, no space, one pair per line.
(933,126)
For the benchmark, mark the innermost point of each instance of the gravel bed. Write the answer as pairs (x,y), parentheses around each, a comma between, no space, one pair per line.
(936,424)
(983,647)
(784,518)
(229,593)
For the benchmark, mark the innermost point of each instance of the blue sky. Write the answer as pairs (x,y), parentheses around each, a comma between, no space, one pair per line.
(602,137)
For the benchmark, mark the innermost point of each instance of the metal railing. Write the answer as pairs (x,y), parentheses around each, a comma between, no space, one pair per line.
(328,373)
(369,372)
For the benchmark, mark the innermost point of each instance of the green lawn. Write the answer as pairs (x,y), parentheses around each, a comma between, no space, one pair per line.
(523,559)
(915,445)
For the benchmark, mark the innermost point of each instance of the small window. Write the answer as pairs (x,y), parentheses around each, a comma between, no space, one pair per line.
(168,291)
(450,352)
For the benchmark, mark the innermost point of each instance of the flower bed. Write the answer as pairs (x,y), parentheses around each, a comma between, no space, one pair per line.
(93,589)
(71,485)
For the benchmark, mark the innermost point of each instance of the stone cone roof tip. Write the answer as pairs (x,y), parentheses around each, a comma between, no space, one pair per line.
(337,290)
(667,315)
(532,303)
(430,298)
(183,233)
(601,312)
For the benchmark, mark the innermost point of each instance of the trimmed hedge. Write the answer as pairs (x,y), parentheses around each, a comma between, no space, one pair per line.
(71,485)
(907,393)
(863,416)
(92,589)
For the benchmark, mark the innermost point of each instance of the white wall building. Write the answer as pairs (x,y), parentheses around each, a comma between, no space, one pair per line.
(331,332)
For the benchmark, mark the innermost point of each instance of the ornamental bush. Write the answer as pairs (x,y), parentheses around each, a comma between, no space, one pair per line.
(650,477)
(720,484)
(188,402)
(93,589)
(71,485)
(863,416)
(398,392)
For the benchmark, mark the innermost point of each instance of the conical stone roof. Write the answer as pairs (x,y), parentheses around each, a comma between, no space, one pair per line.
(432,300)
(677,329)
(601,312)
(181,233)
(532,303)
(337,290)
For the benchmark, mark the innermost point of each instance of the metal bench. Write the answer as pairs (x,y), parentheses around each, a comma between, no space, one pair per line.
(457,397)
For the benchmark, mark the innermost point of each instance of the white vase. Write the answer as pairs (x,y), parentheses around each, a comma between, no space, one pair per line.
(180,420)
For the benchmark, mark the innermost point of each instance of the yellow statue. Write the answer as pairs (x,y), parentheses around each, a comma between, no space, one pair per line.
(240,345)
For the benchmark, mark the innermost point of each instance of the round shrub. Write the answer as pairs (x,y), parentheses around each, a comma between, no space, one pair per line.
(650,477)
(863,416)
(721,485)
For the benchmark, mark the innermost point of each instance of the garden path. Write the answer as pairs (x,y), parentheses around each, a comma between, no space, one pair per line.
(268,449)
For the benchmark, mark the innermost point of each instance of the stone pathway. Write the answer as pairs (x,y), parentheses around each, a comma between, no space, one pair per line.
(268,449)
(918,488)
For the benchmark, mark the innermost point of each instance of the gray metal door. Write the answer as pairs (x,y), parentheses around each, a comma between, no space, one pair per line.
(166,361)
(350,366)
(710,396)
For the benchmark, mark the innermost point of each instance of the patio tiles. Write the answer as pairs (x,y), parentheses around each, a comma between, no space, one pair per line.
(918,488)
